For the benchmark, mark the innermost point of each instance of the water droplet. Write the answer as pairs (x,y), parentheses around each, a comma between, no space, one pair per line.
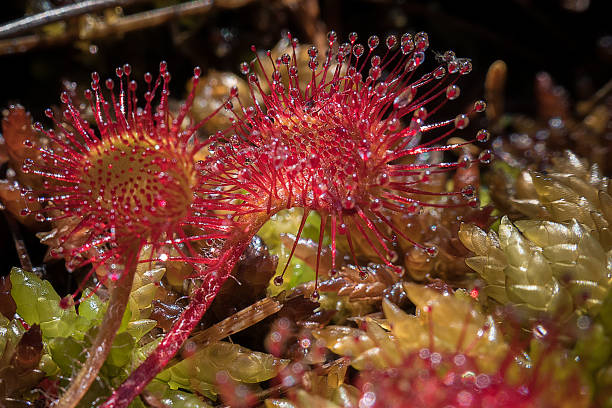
(480,106)
(375,61)
(485,156)
(278,280)
(465,67)
(313,52)
(404,98)
(468,191)
(344,49)
(332,36)
(375,73)
(244,68)
(353,37)
(464,162)
(452,92)
(420,114)
(461,121)
(253,79)
(358,50)
(399,270)
(315,296)
(483,135)
(383,179)
(482,381)
(363,274)
(392,256)
(333,272)
(421,41)
(391,41)
(373,42)
(449,56)
(407,47)
(432,251)
(348,203)
(376,205)
(413,208)
(439,72)
(381,89)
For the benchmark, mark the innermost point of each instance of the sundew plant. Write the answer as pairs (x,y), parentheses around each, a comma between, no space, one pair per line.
(426,285)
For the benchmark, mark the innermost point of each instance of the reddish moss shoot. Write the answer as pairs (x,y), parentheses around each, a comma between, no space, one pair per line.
(131,183)
(338,146)
(431,379)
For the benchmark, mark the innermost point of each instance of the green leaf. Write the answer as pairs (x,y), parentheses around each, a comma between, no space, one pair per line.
(241,364)
(91,306)
(288,221)
(121,350)
(38,303)
(67,353)
(10,334)
(174,398)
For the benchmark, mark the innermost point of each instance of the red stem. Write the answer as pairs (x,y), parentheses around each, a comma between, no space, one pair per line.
(201,299)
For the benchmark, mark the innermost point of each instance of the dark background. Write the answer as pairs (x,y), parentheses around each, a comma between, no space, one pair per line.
(530,36)
(574,46)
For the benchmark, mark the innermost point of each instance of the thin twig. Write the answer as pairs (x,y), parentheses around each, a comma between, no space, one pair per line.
(122,25)
(20,247)
(58,14)
(237,322)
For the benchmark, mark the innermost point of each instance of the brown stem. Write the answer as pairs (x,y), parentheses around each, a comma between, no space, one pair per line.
(101,345)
